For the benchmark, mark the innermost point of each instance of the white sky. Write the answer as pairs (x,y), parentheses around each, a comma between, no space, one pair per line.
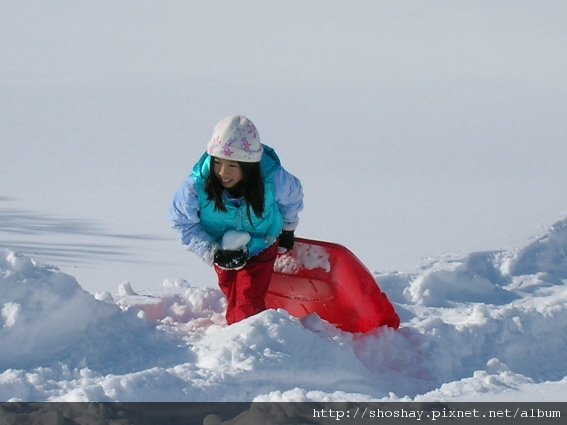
(417,128)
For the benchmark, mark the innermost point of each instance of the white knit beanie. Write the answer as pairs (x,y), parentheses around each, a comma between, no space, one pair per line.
(235,138)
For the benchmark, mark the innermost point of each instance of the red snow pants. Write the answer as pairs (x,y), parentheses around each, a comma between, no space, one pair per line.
(245,289)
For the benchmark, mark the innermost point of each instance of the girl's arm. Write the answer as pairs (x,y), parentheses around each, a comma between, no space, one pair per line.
(289,196)
(184,216)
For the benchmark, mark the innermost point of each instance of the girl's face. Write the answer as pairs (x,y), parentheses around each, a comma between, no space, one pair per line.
(228,172)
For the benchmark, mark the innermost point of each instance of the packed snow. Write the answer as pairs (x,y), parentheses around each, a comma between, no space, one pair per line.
(489,325)
(303,256)
(235,240)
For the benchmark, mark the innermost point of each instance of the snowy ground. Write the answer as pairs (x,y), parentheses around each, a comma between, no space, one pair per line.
(418,128)
(489,326)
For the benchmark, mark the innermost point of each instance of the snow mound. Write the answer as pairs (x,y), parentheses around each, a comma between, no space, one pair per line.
(489,323)
(47,318)
(473,279)
(547,254)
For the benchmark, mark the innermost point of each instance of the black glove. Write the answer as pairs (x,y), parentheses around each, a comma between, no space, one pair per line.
(231,259)
(286,239)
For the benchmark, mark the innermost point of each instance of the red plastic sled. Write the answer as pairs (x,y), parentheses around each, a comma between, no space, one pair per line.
(328,279)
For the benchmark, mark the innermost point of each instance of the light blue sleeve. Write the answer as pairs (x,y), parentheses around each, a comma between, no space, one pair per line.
(289,196)
(184,217)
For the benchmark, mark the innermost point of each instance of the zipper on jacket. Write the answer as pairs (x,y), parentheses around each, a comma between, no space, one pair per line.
(239,211)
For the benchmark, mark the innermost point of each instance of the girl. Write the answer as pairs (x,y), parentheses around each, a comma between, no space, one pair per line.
(236,210)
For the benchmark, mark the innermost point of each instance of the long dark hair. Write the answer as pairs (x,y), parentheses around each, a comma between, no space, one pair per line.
(251,188)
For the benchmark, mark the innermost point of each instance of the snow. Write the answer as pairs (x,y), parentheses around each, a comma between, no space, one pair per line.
(473,328)
(303,256)
(430,140)
(234,240)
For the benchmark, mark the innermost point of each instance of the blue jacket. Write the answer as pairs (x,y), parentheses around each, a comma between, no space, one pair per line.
(202,227)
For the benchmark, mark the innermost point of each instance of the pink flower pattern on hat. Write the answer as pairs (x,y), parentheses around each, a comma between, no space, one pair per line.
(226,150)
(245,144)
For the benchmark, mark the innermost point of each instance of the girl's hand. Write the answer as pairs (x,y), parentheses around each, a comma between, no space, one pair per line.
(286,239)
(231,259)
